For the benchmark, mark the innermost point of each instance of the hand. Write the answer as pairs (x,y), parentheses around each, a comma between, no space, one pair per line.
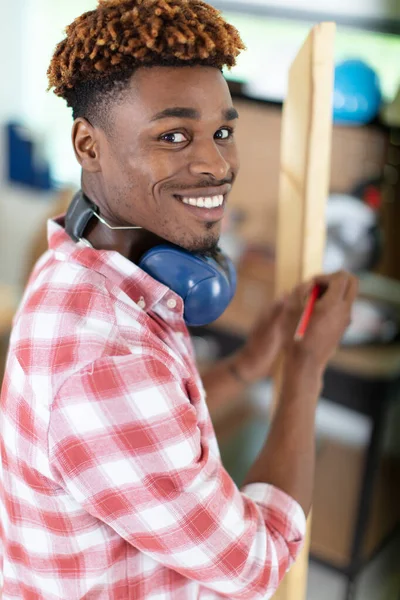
(257,357)
(275,329)
(330,318)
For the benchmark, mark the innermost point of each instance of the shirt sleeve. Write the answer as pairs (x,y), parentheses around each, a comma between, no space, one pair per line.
(126,443)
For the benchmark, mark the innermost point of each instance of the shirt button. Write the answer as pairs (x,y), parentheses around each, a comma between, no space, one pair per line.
(171,303)
(141,303)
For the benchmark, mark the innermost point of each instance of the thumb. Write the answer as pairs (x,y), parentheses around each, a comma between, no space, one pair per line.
(277,311)
(277,308)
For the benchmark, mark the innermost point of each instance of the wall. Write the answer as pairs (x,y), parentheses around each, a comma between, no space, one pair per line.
(29,32)
(369,9)
(21,210)
(11,31)
(11,47)
(47,114)
(23,213)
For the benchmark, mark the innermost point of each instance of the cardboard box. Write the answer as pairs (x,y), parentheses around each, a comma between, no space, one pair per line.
(338,480)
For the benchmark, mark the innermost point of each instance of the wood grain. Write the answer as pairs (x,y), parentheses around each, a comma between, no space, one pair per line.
(304,183)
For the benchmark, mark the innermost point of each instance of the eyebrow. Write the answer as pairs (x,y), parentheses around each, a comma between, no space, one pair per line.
(181,112)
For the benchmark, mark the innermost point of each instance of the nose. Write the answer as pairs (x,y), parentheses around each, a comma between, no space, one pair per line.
(207,159)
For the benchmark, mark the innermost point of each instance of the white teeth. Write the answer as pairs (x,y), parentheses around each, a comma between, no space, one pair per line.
(216,201)
(209,202)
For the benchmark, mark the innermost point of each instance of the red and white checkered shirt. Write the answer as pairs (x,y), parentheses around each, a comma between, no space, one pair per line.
(112,486)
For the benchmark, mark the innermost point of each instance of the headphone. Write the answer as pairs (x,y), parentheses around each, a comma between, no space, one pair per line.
(206,285)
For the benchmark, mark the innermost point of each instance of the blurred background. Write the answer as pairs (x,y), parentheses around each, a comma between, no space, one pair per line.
(355,547)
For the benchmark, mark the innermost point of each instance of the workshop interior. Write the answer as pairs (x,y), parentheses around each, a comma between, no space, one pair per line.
(355,537)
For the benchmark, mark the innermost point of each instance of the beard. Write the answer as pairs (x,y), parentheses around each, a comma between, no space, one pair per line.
(205,243)
(206,246)
(213,252)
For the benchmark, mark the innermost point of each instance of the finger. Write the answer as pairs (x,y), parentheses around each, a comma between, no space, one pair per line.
(301,293)
(325,280)
(352,290)
(272,313)
(334,287)
(275,311)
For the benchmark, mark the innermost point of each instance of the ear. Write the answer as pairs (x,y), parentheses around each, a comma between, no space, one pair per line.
(86,143)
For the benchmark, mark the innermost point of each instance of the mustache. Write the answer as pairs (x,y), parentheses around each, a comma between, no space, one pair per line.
(203,183)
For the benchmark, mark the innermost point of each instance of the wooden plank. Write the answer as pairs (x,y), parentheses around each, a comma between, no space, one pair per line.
(305,160)
(304,183)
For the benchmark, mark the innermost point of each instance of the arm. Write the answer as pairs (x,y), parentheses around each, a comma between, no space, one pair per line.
(287,459)
(126,444)
(223,383)
(227,378)
(288,456)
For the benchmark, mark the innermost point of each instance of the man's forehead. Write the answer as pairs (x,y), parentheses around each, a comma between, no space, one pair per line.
(192,89)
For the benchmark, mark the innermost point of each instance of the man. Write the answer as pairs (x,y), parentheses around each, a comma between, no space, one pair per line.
(112,483)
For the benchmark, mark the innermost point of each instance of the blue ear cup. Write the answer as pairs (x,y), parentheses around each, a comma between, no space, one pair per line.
(205,284)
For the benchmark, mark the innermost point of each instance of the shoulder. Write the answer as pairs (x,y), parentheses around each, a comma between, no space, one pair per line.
(66,320)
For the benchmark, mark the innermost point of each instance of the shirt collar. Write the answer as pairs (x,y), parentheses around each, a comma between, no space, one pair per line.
(131,279)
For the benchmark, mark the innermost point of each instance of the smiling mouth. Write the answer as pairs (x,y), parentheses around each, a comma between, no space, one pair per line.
(207,202)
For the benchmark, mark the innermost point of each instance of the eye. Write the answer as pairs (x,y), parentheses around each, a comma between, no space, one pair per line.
(224,133)
(174,138)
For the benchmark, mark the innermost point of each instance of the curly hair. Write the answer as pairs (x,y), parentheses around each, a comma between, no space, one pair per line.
(95,62)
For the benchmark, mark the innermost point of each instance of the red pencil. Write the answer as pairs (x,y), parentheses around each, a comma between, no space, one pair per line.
(306,316)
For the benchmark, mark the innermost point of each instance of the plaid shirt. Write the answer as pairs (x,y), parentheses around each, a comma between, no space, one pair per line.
(112,486)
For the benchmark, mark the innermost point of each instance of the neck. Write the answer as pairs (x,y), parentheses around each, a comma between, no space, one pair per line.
(130,243)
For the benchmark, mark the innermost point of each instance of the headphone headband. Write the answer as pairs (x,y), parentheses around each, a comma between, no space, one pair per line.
(206,285)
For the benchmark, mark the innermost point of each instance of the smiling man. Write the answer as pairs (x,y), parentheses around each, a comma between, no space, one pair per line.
(112,483)
(165,160)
